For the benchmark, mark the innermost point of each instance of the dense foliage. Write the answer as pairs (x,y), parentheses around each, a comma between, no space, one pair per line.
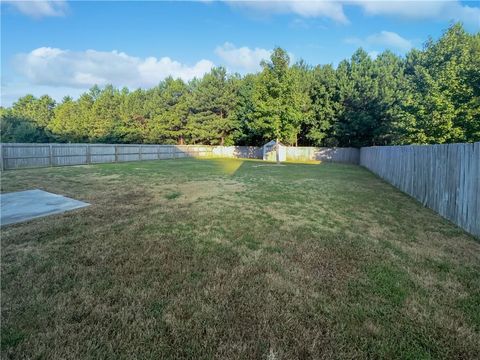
(429,96)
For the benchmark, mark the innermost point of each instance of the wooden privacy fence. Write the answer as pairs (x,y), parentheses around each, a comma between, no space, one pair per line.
(16,156)
(445,178)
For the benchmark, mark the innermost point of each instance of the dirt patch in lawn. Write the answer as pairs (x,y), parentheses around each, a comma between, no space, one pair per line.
(192,191)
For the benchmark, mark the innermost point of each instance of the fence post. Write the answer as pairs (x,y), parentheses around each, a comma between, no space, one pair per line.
(1,157)
(50,155)
(116,153)
(89,160)
(140,152)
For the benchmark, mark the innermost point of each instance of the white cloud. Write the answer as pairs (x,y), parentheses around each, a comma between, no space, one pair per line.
(242,59)
(335,10)
(331,9)
(386,39)
(440,9)
(57,67)
(320,8)
(40,8)
(389,39)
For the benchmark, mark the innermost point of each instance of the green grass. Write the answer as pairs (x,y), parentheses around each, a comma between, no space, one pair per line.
(232,259)
(173,195)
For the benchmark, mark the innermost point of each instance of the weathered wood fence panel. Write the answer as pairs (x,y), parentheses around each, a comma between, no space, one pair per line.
(244,152)
(17,156)
(28,155)
(445,178)
(301,153)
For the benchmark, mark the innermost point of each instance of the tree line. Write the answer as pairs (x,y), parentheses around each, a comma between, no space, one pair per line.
(428,96)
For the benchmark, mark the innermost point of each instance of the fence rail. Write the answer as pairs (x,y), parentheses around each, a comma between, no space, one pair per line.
(445,178)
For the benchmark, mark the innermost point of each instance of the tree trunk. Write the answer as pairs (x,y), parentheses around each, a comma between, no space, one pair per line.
(180,140)
(277,150)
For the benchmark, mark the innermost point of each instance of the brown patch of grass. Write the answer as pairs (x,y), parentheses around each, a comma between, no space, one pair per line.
(193,191)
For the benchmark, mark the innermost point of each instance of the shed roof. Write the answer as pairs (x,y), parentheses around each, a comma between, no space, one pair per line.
(273,142)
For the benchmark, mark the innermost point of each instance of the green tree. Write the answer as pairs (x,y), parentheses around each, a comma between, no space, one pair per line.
(244,112)
(133,119)
(371,95)
(358,94)
(65,123)
(104,119)
(212,118)
(323,92)
(394,92)
(169,124)
(14,128)
(278,99)
(445,78)
(39,111)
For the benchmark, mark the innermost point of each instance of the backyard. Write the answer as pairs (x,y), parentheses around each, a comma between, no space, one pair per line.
(235,259)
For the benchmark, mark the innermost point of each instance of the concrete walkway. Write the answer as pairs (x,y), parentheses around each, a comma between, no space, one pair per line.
(25,205)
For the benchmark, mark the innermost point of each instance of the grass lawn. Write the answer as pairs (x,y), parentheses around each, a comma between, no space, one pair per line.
(232,259)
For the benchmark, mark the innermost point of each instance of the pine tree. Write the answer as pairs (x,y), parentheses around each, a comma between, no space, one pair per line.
(212,119)
(169,125)
(323,92)
(278,100)
(444,76)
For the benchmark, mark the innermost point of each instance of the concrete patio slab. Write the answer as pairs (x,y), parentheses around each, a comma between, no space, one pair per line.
(25,205)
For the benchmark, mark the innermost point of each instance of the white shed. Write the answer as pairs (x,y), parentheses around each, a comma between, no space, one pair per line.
(270,154)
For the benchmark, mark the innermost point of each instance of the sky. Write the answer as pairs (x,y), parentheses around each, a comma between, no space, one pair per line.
(63,48)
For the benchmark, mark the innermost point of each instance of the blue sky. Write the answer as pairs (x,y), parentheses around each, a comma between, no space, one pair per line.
(63,48)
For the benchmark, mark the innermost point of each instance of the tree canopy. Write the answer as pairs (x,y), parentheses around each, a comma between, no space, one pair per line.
(431,95)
